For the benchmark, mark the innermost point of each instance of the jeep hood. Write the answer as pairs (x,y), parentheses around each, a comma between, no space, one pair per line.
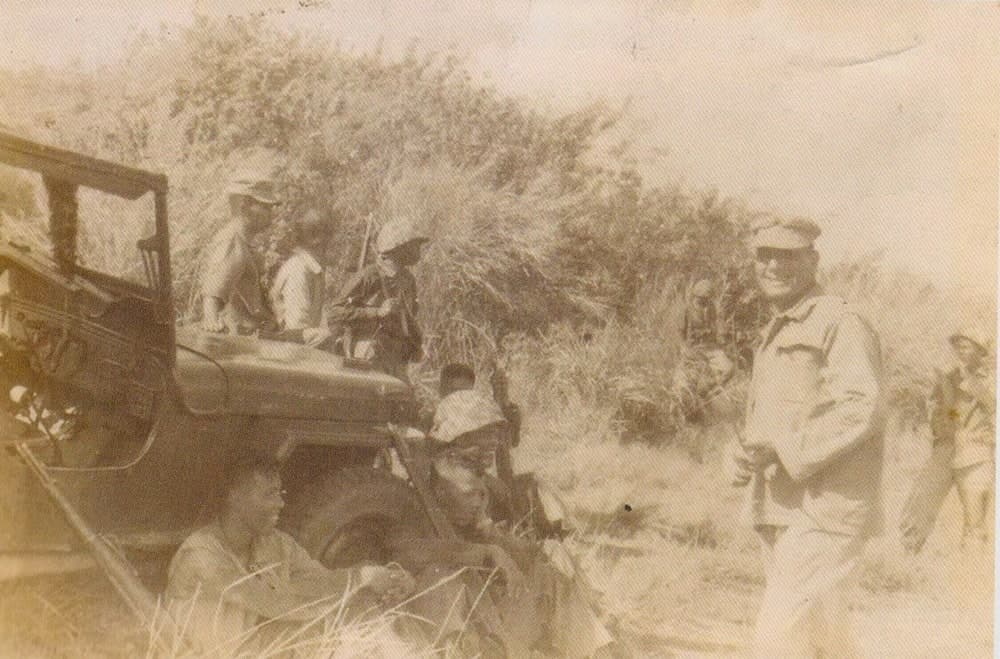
(254,377)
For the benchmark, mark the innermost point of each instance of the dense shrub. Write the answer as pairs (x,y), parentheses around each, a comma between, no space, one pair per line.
(537,236)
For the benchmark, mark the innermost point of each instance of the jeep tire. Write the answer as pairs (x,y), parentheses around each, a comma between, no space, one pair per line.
(343,517)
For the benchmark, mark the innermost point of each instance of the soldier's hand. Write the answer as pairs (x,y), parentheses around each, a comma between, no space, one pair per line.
(315,336)
(391,584)
(213,325)
(514,578)
(739,467)
(389,307)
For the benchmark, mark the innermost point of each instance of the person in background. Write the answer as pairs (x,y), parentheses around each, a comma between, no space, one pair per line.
(238,584)
(811,449)
(378,306)
(230,277)
(298,291)
(965,410)
(700,324)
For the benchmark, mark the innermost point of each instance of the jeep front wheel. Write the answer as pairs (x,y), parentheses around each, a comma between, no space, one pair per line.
(344,518)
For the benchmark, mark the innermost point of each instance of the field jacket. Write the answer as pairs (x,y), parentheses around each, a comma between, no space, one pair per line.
(815,398)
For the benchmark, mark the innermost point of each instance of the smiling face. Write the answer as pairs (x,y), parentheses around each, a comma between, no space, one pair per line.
(257,501)
(784,275)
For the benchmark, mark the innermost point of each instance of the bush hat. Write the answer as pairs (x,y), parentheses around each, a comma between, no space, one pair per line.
(396,233)
(257,188)
(462,412)
(781,233)
(974,334)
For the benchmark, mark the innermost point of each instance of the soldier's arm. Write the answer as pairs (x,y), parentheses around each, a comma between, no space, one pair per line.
(205,573)
(848,412)
(351,304)
(223,268)
(312,580)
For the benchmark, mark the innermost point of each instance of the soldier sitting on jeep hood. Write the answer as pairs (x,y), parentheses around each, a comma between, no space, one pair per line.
(238,583)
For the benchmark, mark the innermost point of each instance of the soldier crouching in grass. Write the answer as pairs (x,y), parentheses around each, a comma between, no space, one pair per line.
(811,451)
(239,586)
(539,609)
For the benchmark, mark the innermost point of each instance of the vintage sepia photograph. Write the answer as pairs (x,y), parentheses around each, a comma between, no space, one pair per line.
(610,329)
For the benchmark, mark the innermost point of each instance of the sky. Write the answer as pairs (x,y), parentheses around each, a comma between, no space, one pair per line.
(879,120)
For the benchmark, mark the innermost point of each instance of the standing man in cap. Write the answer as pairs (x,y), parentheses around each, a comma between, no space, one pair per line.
(811,450)
(230,279)
(379,304)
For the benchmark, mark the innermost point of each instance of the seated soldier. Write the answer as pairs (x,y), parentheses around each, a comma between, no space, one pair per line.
(540,606)
(238,584)
(298,291)
(477,449)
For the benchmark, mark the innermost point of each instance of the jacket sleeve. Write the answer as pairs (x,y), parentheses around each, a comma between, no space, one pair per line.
(351,304)
(848,409)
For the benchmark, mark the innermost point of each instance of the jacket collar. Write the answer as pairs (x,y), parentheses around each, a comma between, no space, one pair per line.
(798,312)
(801,309)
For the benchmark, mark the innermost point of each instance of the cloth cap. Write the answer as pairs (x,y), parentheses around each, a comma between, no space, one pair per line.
(464,411)
(974,334)
(396,233)
(703,288)
(780,233)
(257,188)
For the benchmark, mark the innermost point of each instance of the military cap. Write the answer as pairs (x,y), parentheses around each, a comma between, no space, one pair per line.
(973,334)
(464,411)
(781,233)
(257,188)
(396,233)
(703,288)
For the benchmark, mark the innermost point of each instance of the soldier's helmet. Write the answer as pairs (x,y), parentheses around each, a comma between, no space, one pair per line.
(396,233)
(255,186)
(462,412)
(974,334)
(703,289)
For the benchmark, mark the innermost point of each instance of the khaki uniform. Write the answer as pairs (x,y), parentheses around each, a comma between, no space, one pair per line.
(392,342)
(973,411)
(221,603)
(230,272)
(297,293)
(815,400)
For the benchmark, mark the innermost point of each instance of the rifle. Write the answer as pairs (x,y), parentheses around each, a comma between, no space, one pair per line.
(348,336)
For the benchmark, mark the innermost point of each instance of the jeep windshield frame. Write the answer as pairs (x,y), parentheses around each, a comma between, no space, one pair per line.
(64,171)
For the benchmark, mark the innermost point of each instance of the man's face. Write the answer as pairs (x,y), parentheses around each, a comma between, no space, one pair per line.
(967,352)
(463,497)
(259,500)
(257,215)
(784,275)
(407,254)
(477,448)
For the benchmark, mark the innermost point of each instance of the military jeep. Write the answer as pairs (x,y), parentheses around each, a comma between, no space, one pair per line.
(120,423)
